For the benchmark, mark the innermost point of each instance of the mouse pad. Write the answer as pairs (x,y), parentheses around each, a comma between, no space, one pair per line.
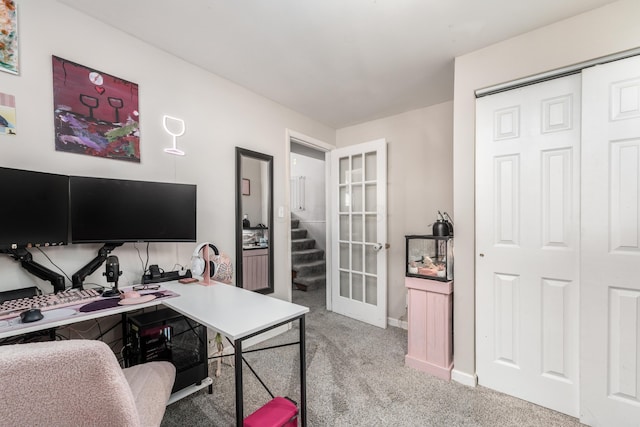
(105,303)
(139,300)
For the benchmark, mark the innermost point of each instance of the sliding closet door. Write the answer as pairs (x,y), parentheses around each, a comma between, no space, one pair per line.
(527,242)
(610,292)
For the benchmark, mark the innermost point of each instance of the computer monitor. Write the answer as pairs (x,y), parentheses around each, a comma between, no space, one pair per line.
(34,209)
(115,211)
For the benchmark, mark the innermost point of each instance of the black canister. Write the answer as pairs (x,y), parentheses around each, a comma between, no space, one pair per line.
(440,228)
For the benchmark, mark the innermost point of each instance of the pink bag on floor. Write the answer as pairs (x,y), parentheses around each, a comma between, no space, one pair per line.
(278,412)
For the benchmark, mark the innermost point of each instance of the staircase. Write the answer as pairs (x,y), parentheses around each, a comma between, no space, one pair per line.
(307,262)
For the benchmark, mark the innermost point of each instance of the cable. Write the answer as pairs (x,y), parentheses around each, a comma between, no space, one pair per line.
(97,285)
(140,257)
(146,264)
(53,263)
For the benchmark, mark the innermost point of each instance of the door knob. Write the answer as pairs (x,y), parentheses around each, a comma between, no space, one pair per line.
(379,246)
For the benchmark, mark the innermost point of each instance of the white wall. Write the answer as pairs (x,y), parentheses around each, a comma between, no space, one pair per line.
(219,116)
(419,175)
(597,33)
(313,217)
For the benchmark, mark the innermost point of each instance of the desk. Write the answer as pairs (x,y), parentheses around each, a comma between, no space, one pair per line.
(234,312)
(240,314)
(59,317)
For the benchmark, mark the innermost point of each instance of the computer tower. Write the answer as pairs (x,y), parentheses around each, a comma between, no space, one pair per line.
(168,335)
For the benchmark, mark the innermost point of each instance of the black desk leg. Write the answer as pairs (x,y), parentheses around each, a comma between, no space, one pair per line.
(239,398)
(125,340)
(303,374)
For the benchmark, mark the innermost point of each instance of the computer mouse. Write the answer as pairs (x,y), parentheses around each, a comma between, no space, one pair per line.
(31,315)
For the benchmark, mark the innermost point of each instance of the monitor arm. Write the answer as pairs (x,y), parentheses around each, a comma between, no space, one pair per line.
(40,271)
(93,265)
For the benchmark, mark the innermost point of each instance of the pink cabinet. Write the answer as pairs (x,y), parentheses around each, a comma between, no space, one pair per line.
(430,322)
(255,269)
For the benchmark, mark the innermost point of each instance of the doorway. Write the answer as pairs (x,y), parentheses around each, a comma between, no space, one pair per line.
(355,225)
(308,171)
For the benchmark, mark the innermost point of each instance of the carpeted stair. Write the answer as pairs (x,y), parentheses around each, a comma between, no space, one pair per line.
(307,261)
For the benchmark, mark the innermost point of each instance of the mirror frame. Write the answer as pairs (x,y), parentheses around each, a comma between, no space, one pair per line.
(240,153)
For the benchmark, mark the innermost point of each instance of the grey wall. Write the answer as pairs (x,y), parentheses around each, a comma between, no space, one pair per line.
(419,181)
(219,116)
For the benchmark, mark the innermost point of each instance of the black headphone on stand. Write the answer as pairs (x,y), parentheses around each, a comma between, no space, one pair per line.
(198,263)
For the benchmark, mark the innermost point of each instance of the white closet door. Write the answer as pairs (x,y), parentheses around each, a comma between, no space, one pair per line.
(610,293)
(527,242)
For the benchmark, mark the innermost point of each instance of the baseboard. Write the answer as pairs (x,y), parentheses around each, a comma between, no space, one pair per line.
(464,378)
(266,335)
(228,349)
(397,323)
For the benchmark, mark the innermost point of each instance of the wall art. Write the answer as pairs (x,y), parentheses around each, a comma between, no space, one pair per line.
(95,113)
(8,36)
(7,114)
(246,187)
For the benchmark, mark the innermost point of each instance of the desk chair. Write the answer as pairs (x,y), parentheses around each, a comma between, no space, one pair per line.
(79,383)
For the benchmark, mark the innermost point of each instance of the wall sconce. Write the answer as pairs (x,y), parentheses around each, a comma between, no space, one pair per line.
(177,129)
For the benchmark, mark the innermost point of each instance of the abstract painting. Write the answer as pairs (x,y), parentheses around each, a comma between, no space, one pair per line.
(95,113)
(7,114)
(8,36)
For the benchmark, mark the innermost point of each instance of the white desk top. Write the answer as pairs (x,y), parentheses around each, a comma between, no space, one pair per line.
(234,312)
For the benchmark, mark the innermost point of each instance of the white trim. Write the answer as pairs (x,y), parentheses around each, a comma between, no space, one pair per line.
(328,231)
(316,144)
(266,335)
(308,141)
(402,324)
(463,378)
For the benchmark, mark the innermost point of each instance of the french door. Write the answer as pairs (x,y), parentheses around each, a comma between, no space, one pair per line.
(359,231)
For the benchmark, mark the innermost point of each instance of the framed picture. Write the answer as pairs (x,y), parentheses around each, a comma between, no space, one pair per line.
(9,37)
(7,114)
(246,187)
(95,113)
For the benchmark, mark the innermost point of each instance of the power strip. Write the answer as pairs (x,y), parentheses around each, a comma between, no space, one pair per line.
(166,276)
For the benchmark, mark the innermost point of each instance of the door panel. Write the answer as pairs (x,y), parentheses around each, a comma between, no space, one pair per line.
(610,294)
(359,182)
(527,225)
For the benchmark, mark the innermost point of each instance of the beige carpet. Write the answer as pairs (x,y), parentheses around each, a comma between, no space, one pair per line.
(356,377)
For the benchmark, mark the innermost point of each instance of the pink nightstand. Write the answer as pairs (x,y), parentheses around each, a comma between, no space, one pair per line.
(430,322)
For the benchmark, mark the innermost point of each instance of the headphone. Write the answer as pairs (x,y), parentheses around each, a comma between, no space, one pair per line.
(198,263)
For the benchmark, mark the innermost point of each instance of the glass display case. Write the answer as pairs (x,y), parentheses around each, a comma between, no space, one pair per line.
(429,257)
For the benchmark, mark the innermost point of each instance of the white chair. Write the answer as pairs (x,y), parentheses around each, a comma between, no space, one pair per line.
(79,383)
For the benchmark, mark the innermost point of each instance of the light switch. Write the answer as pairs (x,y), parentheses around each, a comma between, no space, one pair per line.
(281,212)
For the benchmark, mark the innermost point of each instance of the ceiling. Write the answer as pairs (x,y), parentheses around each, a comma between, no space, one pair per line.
(340,62)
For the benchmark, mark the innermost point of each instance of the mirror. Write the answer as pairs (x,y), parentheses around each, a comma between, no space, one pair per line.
(254,220)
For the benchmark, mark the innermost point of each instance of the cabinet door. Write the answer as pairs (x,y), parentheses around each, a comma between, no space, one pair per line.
(255,269)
